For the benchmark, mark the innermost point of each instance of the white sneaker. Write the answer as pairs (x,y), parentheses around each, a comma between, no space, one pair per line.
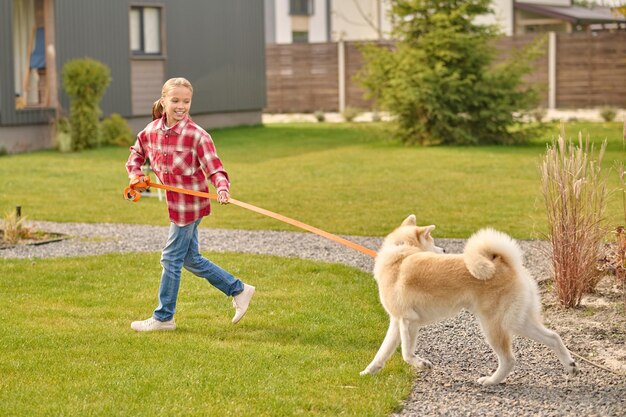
(241,302)
(152,324)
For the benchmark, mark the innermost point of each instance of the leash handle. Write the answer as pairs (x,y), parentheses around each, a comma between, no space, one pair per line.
(133,195)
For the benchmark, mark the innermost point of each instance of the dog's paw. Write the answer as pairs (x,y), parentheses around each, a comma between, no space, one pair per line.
(487,380)
(422,364)
(572,369)
(370,370)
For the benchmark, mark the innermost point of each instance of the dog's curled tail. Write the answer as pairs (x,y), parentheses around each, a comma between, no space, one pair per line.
(484,247)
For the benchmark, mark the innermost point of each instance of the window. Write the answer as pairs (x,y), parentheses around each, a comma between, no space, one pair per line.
(145,30)
(300,7)
(33,68)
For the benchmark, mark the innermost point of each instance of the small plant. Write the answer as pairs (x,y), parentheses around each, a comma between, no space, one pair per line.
(350,113)
(3,151)
(14,229)
(608,113)
(539,114)
(376,117)
(85,81)
(620,254)
(320,116)
(575,197)
(63,135)
(620,264)
(614,261)
(115,131)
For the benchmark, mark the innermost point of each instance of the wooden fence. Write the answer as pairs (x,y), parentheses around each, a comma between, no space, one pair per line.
(577,71)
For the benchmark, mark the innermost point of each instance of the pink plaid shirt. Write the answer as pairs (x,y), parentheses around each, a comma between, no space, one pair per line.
(181,156)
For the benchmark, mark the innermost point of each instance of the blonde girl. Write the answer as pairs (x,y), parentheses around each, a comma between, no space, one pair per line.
(183,155)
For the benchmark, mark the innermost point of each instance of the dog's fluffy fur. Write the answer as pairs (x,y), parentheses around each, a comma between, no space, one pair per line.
(418,285)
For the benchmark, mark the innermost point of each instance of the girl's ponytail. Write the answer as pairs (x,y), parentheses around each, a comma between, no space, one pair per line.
(157,110)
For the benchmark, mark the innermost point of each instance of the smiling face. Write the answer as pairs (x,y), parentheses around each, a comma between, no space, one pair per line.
(176,104)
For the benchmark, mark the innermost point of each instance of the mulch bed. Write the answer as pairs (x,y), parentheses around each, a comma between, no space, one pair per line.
(34,238)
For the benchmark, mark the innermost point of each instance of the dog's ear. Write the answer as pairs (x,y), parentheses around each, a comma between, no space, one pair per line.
(428,229)
(409,221)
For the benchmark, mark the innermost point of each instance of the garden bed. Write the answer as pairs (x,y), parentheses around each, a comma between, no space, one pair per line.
(34,239)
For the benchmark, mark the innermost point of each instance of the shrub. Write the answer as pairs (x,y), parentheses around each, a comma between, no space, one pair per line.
(614,261)
(608,113)
(575,197)
(539,114)
(115,131)
(320,116)
(62,135)
(85,81)
(350,113)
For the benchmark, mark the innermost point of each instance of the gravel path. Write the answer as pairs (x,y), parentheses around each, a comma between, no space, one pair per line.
(456,348)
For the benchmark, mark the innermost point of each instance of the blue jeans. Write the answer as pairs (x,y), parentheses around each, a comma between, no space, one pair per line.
(182,250)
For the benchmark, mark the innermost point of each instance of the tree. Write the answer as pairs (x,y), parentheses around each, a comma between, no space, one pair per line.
(440,79)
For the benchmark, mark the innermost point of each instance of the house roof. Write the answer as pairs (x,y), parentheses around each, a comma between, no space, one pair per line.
(573,14)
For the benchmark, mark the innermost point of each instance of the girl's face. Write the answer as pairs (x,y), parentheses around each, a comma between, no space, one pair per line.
(176,104)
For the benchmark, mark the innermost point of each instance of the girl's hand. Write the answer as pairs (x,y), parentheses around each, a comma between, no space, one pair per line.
(139,183)
(223,197)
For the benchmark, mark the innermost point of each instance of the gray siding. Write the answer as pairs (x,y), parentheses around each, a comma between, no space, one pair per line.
(221,50)
(99,30)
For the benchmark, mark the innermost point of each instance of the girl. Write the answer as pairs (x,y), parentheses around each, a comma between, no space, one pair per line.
(183,155)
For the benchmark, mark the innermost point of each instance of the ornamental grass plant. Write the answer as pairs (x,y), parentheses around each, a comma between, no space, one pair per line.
(575,195)
(14,228)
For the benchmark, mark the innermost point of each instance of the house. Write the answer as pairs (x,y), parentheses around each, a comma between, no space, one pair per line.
(218,45)
(562,16)
(294,21)
(310,21)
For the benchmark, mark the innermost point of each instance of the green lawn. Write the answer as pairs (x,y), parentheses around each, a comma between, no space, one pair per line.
(347,179)
(67,347)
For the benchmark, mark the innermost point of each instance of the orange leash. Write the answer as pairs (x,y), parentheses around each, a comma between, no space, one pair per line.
(133,195)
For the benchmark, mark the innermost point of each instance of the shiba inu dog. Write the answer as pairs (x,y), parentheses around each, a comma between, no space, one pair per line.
(419,284)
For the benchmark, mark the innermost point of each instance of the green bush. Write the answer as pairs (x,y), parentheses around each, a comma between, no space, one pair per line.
(350,113)
(85,81)
(539,114)
(608,113)
(115,131)
(63,136)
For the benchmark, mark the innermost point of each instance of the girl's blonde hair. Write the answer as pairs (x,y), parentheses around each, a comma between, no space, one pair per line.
(157,107)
